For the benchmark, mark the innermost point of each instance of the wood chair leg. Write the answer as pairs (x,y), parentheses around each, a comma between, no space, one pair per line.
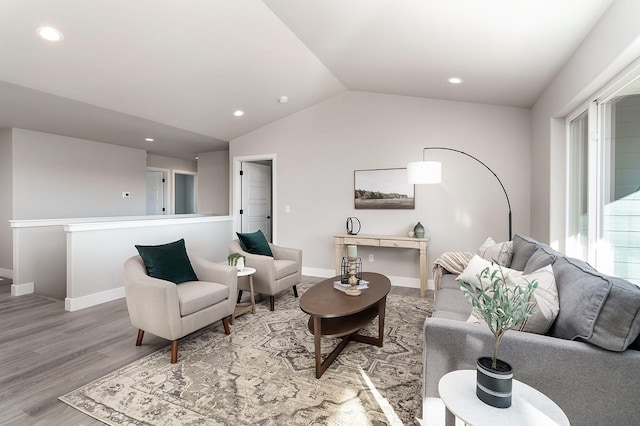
(174,351)
(272,303)
(225,323)
(140,335)
(295,291)
(239,296)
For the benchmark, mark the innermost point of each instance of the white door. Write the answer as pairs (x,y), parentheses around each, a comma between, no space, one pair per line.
(256,198)
(156,192)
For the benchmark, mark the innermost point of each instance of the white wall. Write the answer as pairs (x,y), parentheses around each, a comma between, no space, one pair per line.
(318,149)
(6,196)
(171,163)
(613,44)
(213,182)
(58,176)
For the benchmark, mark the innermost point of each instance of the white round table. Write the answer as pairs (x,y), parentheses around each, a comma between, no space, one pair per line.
(242,308)
(528,406)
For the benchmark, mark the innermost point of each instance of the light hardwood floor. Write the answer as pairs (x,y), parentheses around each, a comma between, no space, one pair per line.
(46,352)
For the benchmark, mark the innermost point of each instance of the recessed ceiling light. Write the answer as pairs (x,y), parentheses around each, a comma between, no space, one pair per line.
(238,113)
(149,139)
(455,80)
(50,34)
(283,99)
(196,157)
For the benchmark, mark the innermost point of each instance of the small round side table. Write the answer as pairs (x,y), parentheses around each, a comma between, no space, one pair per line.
(528,406)
(242,308)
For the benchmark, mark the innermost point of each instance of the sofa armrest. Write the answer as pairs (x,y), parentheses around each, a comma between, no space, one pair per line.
(152,303)
(591,385)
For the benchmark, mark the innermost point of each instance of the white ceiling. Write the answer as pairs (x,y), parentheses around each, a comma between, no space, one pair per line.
(176,71)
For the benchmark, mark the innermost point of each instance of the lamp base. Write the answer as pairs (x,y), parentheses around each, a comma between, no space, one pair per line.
(352,292)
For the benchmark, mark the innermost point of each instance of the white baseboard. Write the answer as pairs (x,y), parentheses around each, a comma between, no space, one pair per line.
(396,281)
(83,302)
(8,273)
(22,289)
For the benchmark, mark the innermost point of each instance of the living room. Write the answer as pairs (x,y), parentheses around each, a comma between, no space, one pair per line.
(319,143)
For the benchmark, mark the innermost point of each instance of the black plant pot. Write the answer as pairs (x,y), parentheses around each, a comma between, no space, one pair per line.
(493,386)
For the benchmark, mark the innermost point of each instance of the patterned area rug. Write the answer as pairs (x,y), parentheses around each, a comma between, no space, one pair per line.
(263,373)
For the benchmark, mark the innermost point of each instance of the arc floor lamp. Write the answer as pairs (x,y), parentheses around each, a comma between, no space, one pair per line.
(423,172)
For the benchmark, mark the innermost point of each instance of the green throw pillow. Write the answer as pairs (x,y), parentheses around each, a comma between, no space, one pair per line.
(255,243)
(168,262)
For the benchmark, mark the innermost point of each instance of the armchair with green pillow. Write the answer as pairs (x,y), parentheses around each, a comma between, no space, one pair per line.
(171,295)
(277,268)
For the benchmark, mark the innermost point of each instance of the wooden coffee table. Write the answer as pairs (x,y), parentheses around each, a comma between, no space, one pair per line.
(335,314)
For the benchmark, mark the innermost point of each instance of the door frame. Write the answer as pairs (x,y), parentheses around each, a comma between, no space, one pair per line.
(236,191)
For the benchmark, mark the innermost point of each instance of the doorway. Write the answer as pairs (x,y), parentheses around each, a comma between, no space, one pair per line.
(184,192)
(254,195)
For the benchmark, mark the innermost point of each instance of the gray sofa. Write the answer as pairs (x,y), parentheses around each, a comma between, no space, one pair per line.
(589,360)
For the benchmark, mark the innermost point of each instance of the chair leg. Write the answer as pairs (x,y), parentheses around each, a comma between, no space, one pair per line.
(174,351)
(295,291)
(140,335)
(239,296)
(225,323)
(272,303)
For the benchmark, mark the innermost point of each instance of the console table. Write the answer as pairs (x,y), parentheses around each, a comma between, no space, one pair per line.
(392,241)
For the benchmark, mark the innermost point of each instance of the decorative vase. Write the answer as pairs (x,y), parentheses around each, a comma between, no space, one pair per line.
(240,264)
(418,230)
(493,386)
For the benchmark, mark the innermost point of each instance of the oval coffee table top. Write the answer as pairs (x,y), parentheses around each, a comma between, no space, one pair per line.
(324,301)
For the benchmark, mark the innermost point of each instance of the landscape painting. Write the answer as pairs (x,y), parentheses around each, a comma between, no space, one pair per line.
(383,189)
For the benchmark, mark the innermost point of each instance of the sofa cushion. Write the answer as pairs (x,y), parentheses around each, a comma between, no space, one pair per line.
(594,307)
(450,281)
(255,243)
(497,252)
(197,295)
(523,248)
(168,262)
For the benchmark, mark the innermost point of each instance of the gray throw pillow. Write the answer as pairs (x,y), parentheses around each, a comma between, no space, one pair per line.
(539,259)
(596,308)
(523,248)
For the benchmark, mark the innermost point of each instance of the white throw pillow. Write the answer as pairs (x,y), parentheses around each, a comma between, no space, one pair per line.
(477,264)
(545,301)
(497,252)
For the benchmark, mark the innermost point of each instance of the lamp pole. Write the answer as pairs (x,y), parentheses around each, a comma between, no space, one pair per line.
(487,167)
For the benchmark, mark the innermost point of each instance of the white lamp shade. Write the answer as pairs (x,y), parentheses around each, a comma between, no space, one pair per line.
(420,172)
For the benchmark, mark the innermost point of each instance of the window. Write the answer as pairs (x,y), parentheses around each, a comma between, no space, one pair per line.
(603,208)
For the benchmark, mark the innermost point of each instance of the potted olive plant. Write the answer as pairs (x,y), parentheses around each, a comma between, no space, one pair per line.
(502,307)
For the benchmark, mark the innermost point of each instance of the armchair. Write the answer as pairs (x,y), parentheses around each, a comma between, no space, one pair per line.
(273,274)
(172,311)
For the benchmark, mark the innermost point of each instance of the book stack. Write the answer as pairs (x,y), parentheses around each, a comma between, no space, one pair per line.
(343,287)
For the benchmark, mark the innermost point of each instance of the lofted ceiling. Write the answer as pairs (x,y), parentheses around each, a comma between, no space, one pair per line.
(176,71)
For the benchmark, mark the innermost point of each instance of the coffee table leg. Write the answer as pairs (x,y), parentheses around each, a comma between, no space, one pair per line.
(382,305)
(317,334)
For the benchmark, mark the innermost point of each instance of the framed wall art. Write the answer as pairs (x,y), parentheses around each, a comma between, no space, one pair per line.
(383,189)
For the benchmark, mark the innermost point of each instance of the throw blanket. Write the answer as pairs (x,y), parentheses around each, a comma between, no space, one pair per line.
(453,262)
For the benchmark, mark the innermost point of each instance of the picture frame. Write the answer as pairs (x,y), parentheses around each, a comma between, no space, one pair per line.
(383,189)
